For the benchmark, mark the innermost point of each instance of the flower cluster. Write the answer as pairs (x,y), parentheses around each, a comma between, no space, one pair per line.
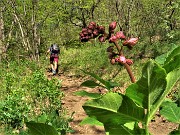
(121,59)
(93,30)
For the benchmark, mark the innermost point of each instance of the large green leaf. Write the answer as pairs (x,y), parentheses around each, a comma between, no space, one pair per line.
(85,93)
(118,130)
(171,80)
(91,121)
(90,84)
(170,60)
(114,108)
(166,57)
(171,56)
(174,63)
(171,112)
(152,88)
(41,129)
(107,84)
(151,85)
(161,59)
(124,129)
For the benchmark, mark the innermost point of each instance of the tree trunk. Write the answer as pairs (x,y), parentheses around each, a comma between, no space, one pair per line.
(35,41)
(9,36)
(1,32)
(130,7)
(22,32)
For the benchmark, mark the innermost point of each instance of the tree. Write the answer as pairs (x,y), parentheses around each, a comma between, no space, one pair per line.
(1,31)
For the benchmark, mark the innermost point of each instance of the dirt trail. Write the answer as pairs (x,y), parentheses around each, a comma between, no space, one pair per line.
(74,103)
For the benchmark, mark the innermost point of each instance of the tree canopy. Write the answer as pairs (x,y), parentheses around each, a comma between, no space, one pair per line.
(32,24)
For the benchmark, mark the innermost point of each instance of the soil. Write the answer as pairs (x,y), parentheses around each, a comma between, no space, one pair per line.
(73,103)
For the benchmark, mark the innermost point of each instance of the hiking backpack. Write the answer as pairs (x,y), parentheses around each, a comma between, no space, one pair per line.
(55,49)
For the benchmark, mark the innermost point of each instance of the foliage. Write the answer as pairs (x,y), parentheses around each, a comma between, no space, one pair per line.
(28,27)
(171,111)
(60,22)
(36,129)
(28,95)
(114,109)
(104,84)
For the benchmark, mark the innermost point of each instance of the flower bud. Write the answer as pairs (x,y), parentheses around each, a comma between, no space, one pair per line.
(84,39)
(112,39)
(101,29)
(129,62)
(120,35)
(93,24)
(112,61)
(91,27)
(130,42)
(84,29)
(81,34)
(85,33)
(95,33)
(89,31)
(112,25)
(117,59)
(101,38)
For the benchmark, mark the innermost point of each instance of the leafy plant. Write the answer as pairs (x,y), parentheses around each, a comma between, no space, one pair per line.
(28,95)
(36,129)
(170,111)
(122,113)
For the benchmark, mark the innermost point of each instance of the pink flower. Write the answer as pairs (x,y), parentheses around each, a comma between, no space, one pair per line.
(113,39)
(130,42)
(120,35)
(121,59)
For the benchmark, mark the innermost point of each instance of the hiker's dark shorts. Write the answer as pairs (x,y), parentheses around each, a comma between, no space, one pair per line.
(53,59)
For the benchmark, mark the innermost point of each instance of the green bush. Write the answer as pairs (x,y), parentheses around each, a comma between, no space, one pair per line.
(28,95)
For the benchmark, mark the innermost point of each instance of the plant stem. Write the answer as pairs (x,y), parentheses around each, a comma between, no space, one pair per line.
(125,64)
(146,129)
(118,48)
(130,72)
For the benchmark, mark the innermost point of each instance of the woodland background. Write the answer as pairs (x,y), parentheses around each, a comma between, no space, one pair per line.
(29,27)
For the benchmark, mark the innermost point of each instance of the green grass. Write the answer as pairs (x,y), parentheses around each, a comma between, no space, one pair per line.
(94,58)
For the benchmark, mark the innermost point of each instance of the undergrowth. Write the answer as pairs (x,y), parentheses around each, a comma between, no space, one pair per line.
(28,95)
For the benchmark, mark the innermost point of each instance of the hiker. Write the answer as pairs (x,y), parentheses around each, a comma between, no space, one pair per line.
(54,56)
